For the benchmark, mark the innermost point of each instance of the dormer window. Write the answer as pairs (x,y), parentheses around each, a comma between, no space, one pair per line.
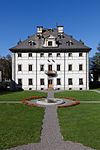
(69,43)
(49,43)
(31,43)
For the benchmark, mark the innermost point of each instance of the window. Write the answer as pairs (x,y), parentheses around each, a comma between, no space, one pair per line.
(80,54)
(50,55)
(80,67)
(41,67)
(20,81)
(30,43)
(70,67)
(30,55)
(80,81)
(41,54)
(58,67)
(41,81)
(70,54)
(30,68)
(70,81)
(49,43)
(30,82)
(19,67)
(19,54)
(58,82)
(69,43)
(49,67)
(58,54)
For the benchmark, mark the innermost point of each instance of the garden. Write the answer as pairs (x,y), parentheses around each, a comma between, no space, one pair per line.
(19,125)
(22,124)
(80,95)
(20,95)
(81,124)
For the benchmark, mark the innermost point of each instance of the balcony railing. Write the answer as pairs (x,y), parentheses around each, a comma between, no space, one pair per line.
(52,73)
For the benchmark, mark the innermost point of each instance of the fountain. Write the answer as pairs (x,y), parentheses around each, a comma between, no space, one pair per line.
(50,100)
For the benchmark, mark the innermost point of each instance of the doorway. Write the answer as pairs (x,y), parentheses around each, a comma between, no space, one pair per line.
(50,83)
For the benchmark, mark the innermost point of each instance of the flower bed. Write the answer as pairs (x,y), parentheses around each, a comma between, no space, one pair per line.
(74,99)
(69,105)
(59,106)
(31,98)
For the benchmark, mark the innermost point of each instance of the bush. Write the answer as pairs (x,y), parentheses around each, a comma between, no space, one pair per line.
(94,85)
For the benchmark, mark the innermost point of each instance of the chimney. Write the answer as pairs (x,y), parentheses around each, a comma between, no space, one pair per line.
(60,29)
(39,29)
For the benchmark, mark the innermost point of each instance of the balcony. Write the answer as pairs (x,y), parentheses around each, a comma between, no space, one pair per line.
(52,73)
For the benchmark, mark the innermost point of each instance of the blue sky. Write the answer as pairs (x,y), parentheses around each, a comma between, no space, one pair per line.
(19,18)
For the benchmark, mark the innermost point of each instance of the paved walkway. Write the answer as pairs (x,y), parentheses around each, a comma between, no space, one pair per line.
(95,91)
(50,93)
(10,101)
(51,138)
(89,102)
(2,102)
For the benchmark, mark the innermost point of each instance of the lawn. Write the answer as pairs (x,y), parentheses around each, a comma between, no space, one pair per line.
(98,89)
(19,124)
(80,95)
(19,96)
(81,124)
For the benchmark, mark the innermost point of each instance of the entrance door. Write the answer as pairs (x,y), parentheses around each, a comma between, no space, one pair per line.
(50,68)
(50,83)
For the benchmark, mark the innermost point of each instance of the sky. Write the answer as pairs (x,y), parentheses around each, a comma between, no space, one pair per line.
(19,19)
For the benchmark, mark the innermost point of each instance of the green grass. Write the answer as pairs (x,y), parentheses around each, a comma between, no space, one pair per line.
(97,89)
(19,96)
(81,124)
(19,124)
(80,95)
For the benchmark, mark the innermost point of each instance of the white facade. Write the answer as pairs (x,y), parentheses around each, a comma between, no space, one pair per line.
(64,60)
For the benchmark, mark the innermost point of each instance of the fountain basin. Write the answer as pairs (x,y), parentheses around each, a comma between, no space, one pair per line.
(50,101)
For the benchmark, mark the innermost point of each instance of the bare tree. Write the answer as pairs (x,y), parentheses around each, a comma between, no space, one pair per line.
(6,67)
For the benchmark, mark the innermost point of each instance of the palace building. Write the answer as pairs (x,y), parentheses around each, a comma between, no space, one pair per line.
(51,59)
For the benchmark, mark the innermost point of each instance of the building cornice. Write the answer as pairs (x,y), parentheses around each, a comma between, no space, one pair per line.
(45,50)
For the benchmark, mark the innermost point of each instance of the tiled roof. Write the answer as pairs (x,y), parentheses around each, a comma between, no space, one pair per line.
(60,40)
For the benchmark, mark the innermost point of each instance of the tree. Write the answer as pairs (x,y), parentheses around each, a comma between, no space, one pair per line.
(96,64)
(6,67)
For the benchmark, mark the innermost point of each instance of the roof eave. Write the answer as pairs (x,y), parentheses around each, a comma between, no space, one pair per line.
(51,50)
